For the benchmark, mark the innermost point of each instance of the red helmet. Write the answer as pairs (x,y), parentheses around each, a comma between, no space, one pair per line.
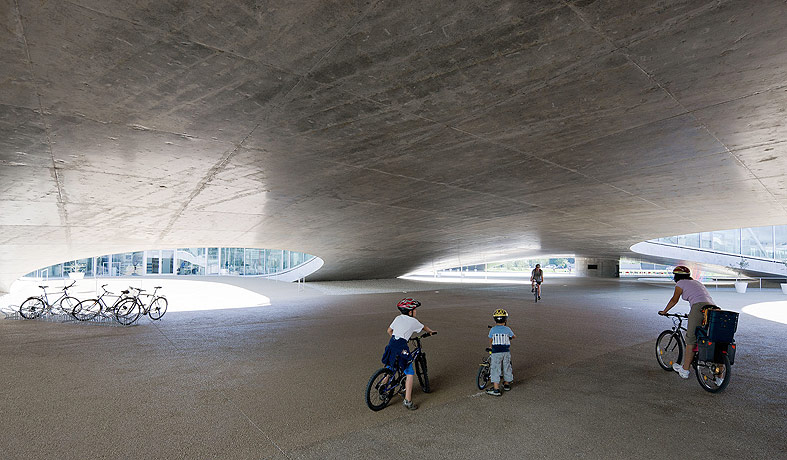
(681,270)
(407,305)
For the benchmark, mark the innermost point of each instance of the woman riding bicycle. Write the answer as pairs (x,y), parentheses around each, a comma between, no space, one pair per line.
(536,278)
(397,353)
(695,293)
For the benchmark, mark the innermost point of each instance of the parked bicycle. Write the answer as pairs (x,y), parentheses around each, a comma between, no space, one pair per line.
(385,383)
(90,308)
(482,379)
(35,306)
(155,308)
(713,372)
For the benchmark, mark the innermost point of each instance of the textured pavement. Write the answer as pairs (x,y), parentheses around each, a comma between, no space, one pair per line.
(287,380)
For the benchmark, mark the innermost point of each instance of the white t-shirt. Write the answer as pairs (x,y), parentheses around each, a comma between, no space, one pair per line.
(403,326)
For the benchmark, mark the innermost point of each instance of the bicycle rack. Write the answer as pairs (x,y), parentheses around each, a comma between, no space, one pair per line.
(12,312)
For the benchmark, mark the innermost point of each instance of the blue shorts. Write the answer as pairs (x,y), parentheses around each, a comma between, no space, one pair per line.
(408,371)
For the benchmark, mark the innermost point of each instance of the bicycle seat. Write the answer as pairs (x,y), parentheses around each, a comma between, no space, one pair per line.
(489,350)
(156,287)
(124,292)
(43,287)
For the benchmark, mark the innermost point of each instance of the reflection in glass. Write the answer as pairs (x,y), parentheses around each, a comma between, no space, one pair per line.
(757,242)
(166,261)
(182,261)
(780,235)
(727,241)
(213,261)
(153,262)
(191,261)
(706,240)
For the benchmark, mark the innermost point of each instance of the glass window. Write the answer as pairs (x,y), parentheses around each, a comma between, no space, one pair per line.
(167,261)
(153,259)
(757,242)
(192,261)
(706,240)
(727,241)
(231,261)
(213,261)
(780,234)
(691,240)
(102,266)
(255,262)
(274,260)
(124,264)
(56,271)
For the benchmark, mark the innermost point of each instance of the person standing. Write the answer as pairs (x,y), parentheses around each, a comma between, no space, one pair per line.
(500,366)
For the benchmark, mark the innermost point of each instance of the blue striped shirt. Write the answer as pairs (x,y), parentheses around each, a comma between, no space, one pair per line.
(501,338)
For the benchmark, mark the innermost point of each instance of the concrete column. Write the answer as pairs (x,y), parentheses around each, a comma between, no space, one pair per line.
(597,268)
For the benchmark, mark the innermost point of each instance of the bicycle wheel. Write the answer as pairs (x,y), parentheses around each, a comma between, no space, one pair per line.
(420,371)
(669,349)
(713,377)
(127,311)
(32,308)
(482,379)
(157,308)
(86,310)
(67,305)
(380,389)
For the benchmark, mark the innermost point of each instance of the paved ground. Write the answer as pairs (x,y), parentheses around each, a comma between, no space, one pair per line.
(287,380)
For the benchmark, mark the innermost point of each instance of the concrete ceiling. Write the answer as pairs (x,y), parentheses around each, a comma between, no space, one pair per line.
(386,136)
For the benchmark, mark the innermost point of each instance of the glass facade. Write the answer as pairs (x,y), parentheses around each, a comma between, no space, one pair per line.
(762,242)
(181,261)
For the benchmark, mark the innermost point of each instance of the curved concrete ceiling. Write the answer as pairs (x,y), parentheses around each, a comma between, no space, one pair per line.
(386,136)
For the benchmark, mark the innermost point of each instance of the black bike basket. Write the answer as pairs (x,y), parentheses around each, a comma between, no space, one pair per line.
(706,349)
(722,325)
(731,352)
(713,352)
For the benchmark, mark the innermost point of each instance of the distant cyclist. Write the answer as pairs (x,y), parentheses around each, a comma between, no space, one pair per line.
(536,278)
(397,353)
(695,293)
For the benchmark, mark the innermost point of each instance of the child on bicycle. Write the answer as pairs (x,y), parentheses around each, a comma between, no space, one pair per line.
(397,353)
(500,339)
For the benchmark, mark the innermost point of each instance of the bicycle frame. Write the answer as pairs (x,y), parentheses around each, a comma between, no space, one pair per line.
(64,294)
(399,375)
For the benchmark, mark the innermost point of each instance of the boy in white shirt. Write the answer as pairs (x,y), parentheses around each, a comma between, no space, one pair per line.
(397,353)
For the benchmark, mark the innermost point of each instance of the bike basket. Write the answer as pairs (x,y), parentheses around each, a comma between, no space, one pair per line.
(706,349)
(731,352)
(722,325)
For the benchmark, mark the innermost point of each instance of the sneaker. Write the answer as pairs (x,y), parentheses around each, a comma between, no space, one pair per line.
(539,297)
(494,392)
(684,374)
(533,290)
(506,387)
(409,405)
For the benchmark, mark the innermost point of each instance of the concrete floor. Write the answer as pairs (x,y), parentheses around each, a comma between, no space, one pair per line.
(287,380)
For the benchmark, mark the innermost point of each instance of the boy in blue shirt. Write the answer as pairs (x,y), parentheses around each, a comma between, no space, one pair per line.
(500,339)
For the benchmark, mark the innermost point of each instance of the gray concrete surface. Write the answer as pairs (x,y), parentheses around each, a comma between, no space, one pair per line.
(287,381)
(386,136)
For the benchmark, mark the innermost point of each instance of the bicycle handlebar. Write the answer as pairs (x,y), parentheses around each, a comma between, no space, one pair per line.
(69,286)
(424,336)
(677,315)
